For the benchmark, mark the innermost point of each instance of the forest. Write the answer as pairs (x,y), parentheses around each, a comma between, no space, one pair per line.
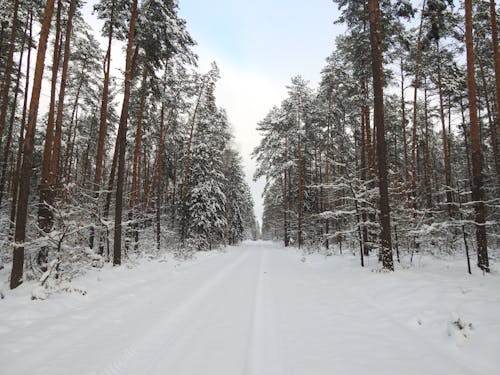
(129,243)
(100,163)
(107,155)
(396,151)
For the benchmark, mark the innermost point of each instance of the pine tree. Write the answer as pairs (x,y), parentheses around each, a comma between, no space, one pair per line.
(26,169)
(475,134)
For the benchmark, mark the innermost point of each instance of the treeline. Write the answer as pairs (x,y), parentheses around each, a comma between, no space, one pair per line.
(397,150)
(96,165)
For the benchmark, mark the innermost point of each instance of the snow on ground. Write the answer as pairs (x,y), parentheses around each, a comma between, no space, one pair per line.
(259,309)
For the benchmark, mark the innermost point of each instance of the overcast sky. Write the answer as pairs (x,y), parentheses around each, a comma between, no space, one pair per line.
(259,45)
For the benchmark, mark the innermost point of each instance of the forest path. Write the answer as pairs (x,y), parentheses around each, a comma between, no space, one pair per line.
(257,309)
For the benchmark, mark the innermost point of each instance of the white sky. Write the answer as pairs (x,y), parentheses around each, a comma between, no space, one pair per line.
(259,45)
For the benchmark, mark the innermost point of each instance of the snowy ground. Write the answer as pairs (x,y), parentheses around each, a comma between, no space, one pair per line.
(259,309)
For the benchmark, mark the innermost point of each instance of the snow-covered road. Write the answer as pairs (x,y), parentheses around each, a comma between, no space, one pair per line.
(257,309)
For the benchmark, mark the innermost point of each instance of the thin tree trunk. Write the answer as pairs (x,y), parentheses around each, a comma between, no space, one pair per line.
(7,148)
(26,169)
(491,123)
(327,167)
(104,105)
(8,70)
(427,156)
(2,31)
(285,209)
(415,108)
(496,57)
(444,135)
(56,153)
(123,139)
(378,93)
(159,174)
(103,122)
(403,127)
(475,135)
(45,218)
(466,143)
(300,181)
(368,138)
(15,179)
(364,168)
(164,128)
(71,131)
(136,168)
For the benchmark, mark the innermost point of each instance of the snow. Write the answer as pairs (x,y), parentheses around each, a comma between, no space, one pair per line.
(258,309)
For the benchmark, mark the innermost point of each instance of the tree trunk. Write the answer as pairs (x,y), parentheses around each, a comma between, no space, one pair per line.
(7,147)
(56,153)
(22,212)
(117,253)
(327,167)
(403,128)
(496,56)
(45,218)
(427,156)
(70,132)
(491,123)
(103,122)
(415,107)
(136,169)
(286,238)
(378,93)
(8,70)
(475,135)
(159,174)
(15,179)
(444,135)
(300,182)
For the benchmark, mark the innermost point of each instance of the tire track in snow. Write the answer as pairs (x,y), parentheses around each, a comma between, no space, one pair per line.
(262,352)
(158,339)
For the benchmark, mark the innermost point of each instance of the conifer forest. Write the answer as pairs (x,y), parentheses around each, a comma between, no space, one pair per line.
(96,166)
(397,150)
(161,213)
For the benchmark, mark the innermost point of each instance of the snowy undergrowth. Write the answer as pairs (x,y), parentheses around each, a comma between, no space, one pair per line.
(91,283)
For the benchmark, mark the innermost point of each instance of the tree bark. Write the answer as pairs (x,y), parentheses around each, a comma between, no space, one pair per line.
(103,122)
(414,160)
(492,125)
(136,169)
(7,147)
(496,57)
(427,156)
(475,135)
(158,173)
(378,93)
(8,70)
(403,128)
(121,141)
(56,153)
(300,181)
(26,169)
(15,179)
(444,135)
(45,218)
